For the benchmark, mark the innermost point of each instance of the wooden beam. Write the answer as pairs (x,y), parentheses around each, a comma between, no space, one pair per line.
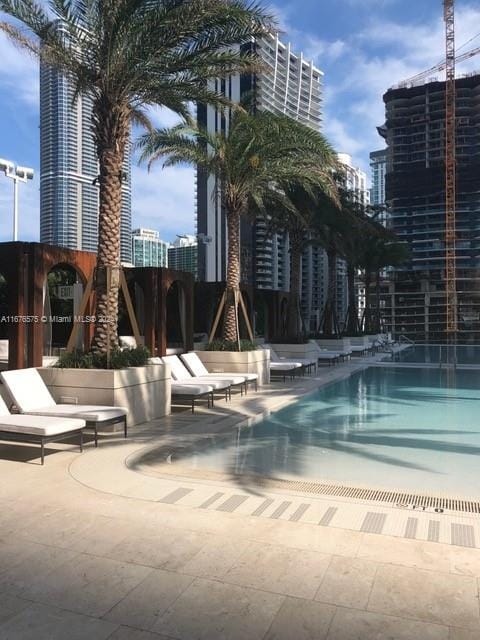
(130,309)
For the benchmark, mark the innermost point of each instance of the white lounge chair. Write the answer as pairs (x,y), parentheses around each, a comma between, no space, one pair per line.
(38,429)
(304,363)
(199,370)
(181,374)
(32,397)
(188,391)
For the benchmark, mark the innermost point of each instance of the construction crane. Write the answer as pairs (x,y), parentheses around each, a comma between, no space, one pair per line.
(450,175)
(441,66)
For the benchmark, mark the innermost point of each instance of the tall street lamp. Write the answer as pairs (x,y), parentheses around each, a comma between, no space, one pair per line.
(17,174)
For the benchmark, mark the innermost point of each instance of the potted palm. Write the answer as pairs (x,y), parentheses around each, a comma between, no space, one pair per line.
(252,162)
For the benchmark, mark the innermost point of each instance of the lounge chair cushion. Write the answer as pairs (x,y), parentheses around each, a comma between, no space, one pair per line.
(190,389)
(284,366)
(198,369)
(39,425)
(89,412)
(182,374)
(27,389)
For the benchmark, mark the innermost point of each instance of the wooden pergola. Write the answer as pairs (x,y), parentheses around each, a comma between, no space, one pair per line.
(26,265)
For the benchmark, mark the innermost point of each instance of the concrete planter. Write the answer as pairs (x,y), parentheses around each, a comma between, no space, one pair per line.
(340,344)
(144,391)
(293,351)
(238,362)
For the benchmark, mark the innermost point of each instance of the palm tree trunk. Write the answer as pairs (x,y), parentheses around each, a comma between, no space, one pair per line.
(294,312)
(377,301)
(367,321)
(230,322)
(112,131)
(330,311)
(352,313)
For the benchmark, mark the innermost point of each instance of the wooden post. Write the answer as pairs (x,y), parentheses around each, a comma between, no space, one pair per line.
(83,307)
(245,315)
(218,316)
(130,310)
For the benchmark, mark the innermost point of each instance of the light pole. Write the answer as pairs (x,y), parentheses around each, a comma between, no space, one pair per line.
(17,174)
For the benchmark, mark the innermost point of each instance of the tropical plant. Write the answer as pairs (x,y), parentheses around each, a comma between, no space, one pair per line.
(299,218)
(259,155)
(128,55)
(380,250)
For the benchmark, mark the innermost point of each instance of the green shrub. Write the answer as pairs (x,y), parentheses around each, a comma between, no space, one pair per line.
(119,359)
(231,345)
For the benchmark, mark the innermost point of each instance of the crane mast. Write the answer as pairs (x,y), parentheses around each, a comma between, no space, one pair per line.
(450,176)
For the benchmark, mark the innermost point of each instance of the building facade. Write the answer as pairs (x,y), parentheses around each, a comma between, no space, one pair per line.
(183,254)
(414,300)
(378,169)
(288,85)
(69,170)
(148,250)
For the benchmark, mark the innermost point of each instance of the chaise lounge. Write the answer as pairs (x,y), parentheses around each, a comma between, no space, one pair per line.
(32,397)
(38,429)
(199,370)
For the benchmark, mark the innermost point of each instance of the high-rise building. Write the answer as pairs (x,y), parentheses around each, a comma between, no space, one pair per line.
(378,167)
(183,254)
(415,300)
(69,169)
(289,85)
(147,249)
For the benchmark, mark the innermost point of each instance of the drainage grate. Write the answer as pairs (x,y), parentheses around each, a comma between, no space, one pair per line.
(398,498)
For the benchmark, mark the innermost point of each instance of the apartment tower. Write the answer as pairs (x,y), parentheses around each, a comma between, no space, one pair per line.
(415,300)
(69,169)
(289,85)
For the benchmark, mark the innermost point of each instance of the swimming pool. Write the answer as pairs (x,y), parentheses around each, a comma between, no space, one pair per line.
(399,428)
(435,354)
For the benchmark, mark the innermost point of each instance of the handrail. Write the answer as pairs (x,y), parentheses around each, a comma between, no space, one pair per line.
(405,339)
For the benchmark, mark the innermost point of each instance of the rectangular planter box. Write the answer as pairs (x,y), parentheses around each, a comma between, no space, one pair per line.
(292,351)
(342,344)
(238,362)
(144,391)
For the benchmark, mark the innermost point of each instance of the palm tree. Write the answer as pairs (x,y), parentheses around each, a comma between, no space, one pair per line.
(128,55)
(258,155)
(381,250)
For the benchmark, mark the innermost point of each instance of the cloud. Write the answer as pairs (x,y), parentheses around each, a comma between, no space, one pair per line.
(164,200)
(19,76)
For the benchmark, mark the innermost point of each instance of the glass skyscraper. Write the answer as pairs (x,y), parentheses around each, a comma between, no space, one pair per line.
(69,168)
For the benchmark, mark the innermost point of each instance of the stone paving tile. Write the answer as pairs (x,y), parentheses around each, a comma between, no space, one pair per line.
(142,607)
(409,553)
(128,633)
(347,582)
(11,605)
(215,558)
(168,549)
(350,624)
(463,634)
(434,597)
(294,572)
(38,562)
(340,542)
(41,622)
(87,584)
(300,619)
(211,610)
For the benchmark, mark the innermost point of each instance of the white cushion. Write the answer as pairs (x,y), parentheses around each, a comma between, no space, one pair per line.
(216,383)
(284,366)
(39,425)
(194,363)
(90,412)
(4,350)
(27,389)
(3,408)
(190,389)
(179,370)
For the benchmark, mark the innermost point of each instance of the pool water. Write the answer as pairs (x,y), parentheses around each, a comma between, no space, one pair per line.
(435,354)
(401,428)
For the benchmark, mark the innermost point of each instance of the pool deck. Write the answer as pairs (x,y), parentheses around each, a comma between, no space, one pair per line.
(116,544)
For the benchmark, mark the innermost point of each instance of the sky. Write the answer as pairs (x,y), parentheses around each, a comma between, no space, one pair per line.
(362,46)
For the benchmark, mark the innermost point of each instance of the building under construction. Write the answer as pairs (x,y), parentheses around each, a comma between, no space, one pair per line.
(414,298)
